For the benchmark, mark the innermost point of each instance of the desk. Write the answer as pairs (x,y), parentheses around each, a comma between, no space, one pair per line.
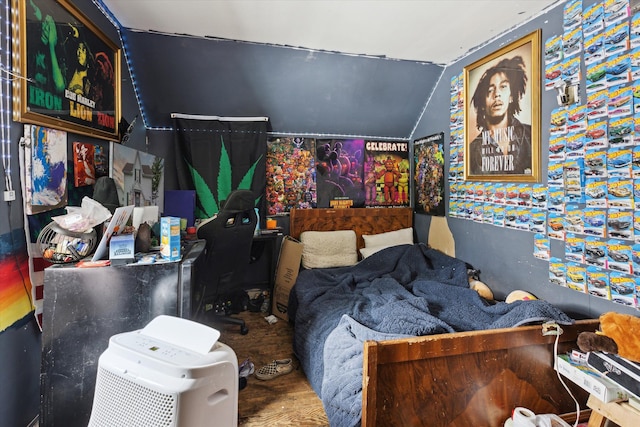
(264,260)
(83,308)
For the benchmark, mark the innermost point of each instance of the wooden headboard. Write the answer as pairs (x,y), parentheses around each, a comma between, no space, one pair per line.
(360,220)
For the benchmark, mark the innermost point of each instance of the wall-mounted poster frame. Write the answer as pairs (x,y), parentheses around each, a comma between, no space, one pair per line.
(70,70)
(502,113)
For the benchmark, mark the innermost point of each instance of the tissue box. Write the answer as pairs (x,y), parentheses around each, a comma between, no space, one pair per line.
(170,238)
(122,249)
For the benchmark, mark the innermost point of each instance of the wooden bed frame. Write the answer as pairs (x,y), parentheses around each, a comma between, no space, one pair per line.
(461,379)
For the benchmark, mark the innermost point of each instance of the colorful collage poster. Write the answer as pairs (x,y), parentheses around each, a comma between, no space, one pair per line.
(305,173)
(339,173)
(290,175)
(386,172)
(428,153)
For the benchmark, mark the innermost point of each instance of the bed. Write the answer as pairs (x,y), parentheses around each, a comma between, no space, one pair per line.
(380,347)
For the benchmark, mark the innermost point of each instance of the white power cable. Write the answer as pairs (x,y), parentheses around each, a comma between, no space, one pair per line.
(555,362)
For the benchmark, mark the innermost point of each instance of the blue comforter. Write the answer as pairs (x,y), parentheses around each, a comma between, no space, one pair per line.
(406,290)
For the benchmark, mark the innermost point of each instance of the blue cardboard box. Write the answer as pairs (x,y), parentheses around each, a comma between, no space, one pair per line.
(170,238)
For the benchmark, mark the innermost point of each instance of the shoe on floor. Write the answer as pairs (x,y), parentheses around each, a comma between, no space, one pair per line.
(274,369)
(246,368)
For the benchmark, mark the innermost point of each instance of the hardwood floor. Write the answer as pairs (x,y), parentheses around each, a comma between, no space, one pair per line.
(287,400)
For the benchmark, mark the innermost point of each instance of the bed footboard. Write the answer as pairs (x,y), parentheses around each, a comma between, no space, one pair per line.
(467,378)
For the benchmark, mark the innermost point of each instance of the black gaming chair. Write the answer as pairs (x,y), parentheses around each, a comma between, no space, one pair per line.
(228,236)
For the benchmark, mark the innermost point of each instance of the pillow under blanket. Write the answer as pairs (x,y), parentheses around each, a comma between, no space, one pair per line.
(376,242)
(403,236)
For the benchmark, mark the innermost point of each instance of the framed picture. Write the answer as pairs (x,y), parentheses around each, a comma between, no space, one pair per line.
(70,70)
(502,114)
(139,177)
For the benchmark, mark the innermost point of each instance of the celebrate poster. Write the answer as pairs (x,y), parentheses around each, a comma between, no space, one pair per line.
(386,174)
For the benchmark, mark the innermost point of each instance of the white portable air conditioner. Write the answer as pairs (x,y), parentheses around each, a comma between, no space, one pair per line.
(171,373)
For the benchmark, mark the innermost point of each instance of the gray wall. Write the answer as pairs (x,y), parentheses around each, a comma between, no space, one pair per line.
(301,91)
(505,256)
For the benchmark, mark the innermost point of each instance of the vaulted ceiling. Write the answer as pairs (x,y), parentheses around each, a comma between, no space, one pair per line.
(437,31)
(331,67)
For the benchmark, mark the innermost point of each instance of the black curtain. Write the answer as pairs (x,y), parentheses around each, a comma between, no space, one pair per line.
(215,157)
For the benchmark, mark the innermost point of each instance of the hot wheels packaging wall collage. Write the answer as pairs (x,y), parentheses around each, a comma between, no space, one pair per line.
(591,199)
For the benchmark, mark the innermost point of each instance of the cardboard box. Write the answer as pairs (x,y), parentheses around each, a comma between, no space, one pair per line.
(286,275)
(590,380)
(170,238)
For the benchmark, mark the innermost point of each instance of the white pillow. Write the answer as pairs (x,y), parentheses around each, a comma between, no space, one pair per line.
(403,236)
(366,252)
(326,249)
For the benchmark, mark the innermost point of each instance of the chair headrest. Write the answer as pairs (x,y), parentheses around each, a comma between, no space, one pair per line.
(239,200)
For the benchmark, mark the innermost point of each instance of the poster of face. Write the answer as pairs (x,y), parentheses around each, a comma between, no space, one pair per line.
(72,70)
(428,153)
(502,95)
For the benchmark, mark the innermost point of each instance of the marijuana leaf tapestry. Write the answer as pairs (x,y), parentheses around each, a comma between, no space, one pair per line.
(215,157)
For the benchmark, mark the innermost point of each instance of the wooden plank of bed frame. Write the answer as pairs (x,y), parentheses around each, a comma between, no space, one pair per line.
(361,220)
(467,378)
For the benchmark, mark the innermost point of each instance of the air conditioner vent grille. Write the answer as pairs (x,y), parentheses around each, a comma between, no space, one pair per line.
(113,393)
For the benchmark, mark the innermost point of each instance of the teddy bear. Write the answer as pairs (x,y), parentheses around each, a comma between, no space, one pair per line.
(619,334)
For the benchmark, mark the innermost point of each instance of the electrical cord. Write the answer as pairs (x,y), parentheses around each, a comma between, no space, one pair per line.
(554,329)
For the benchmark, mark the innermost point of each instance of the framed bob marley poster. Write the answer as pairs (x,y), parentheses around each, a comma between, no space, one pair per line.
(69,70)
(502,114)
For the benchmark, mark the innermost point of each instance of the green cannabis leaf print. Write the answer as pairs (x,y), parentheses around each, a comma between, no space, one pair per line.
(208,203)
